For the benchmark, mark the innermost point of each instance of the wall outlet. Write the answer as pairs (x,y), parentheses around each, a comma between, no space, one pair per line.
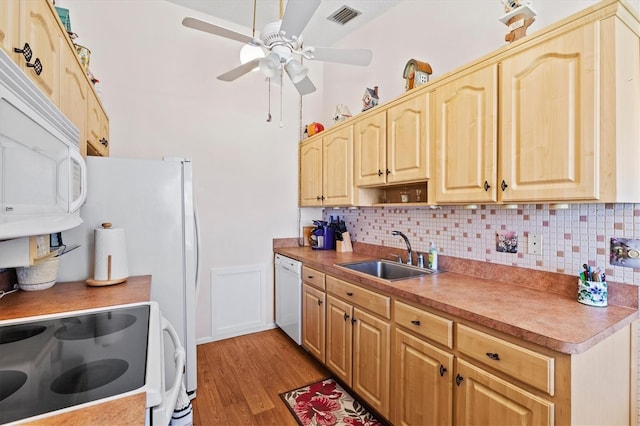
(535,244)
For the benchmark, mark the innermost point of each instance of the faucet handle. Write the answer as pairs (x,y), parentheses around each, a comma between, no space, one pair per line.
(421,260)
(398,257)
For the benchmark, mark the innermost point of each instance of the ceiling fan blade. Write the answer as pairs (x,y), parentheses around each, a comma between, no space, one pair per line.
(305,86)
(197,24)
(343,56)
(239,71)
(297,16)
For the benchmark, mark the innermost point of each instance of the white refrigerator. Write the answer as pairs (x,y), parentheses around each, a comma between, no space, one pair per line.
(153,202)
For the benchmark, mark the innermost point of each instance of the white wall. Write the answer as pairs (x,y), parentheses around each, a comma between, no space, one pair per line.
(160,92)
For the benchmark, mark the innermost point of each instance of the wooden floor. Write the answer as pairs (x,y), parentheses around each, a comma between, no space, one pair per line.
(240,379)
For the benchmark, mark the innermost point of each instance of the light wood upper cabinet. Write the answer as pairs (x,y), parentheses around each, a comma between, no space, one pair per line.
(391,146)
(465,137)
(407,140)
(370,150)
(97,132)
(9,24)
(549,136)
(326,169)
(40,28)
(74,92)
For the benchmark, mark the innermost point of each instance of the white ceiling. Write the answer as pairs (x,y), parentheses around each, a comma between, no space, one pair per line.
(319,31)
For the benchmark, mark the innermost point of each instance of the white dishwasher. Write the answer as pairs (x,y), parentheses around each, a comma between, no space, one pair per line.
(289,296)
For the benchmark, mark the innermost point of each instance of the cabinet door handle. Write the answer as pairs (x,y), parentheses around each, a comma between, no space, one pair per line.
(443,370)
(459,379)
(415,322)
(353,321)
(322,197)
(349,293)
(486,186)
(388,172)
(26,52)
(494,356)
(379,172)
(503,185)
(36,65)
(346,316)
(310,277)
(319,302)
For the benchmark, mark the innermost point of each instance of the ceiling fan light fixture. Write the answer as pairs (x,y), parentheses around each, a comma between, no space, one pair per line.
(270,65)
(248,53)
(295,70)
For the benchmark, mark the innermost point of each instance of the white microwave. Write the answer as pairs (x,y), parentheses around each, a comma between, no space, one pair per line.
(42,174)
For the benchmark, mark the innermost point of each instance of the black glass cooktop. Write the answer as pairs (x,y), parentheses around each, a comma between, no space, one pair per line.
(59,362)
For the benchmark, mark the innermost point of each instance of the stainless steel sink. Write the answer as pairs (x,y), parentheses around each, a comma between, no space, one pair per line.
(387,270)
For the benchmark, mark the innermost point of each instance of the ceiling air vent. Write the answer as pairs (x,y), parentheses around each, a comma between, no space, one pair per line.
(343,15)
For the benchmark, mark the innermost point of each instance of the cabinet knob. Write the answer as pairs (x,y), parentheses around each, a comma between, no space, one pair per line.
(379,172)
(353,321)
(26,52)
(104,142)
(36,65)
(349,293)
(486,186)
(494,356)
(443,370)
(388,172)
(503,185)
(319,302)
(415,322)
(346,316)
(459,379)
(318,198)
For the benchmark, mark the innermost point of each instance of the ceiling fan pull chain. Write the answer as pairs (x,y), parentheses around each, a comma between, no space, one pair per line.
(269,101)
(281,86)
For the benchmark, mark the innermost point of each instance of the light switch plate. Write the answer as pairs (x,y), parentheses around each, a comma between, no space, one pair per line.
(535,244)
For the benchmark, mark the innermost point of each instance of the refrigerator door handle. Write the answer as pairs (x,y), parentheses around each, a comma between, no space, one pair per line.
(196,222)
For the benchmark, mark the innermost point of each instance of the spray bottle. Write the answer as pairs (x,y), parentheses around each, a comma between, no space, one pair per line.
(433,257)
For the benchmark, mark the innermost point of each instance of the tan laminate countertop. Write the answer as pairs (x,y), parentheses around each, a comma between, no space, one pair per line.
(551,320)
(72,296)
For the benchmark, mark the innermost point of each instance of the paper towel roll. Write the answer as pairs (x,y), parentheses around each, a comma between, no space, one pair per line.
(110,265)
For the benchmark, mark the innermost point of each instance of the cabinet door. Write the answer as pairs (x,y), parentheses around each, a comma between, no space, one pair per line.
(484,399)
(339,338)
(423,382)
(370,150)
(465,133)
(549,133)
(9,24)
(74,89)
(337,167)
(39,27)
(311,173)
(97,127)
(313,321)
(407,147)
(371,349)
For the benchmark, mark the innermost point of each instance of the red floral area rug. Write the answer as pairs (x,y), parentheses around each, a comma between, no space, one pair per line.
(326,403)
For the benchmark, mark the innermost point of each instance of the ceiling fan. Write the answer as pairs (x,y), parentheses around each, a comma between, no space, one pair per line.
(281,42)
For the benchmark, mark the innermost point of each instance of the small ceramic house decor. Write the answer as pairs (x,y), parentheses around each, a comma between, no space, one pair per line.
(416,73)
(341,114)
(519,15)
(370,98)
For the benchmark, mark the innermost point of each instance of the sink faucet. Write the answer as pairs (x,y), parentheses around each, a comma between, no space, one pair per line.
(406,240)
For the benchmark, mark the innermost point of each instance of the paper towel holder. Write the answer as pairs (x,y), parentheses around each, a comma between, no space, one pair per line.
(110,257)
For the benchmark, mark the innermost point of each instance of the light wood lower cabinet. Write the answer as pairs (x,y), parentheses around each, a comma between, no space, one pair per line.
(423,382)
(484,399)
(313,320)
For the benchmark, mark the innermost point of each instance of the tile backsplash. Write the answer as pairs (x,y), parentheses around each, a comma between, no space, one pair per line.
(569,237)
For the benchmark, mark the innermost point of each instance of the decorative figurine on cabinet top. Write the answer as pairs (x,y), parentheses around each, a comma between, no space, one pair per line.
(341,114)
(416,73)
(370,98)
(519,15)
